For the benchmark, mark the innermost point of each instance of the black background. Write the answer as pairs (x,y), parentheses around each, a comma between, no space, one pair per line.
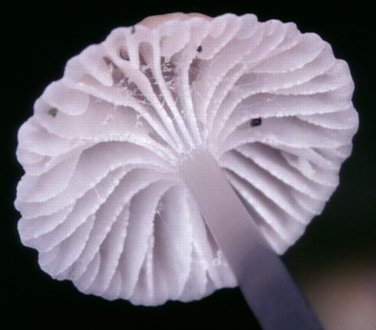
(36,43)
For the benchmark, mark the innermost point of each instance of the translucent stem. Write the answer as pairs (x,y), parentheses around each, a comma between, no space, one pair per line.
(263,279)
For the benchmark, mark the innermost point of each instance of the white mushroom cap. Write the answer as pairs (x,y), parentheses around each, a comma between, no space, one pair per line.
(101,199)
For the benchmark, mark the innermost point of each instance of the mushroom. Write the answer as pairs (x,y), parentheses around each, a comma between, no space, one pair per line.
(172,151)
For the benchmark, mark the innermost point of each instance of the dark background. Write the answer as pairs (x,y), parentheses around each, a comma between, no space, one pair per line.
(37,42)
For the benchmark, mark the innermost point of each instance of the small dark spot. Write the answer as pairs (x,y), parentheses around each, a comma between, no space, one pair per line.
(52,112)
(123,54)
(256,122)
(133,29)
(199,49)
(107,60)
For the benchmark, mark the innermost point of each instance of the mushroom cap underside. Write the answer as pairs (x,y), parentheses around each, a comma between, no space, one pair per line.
(101,199)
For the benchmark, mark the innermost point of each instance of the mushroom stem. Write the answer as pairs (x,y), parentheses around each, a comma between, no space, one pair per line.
(263,279)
